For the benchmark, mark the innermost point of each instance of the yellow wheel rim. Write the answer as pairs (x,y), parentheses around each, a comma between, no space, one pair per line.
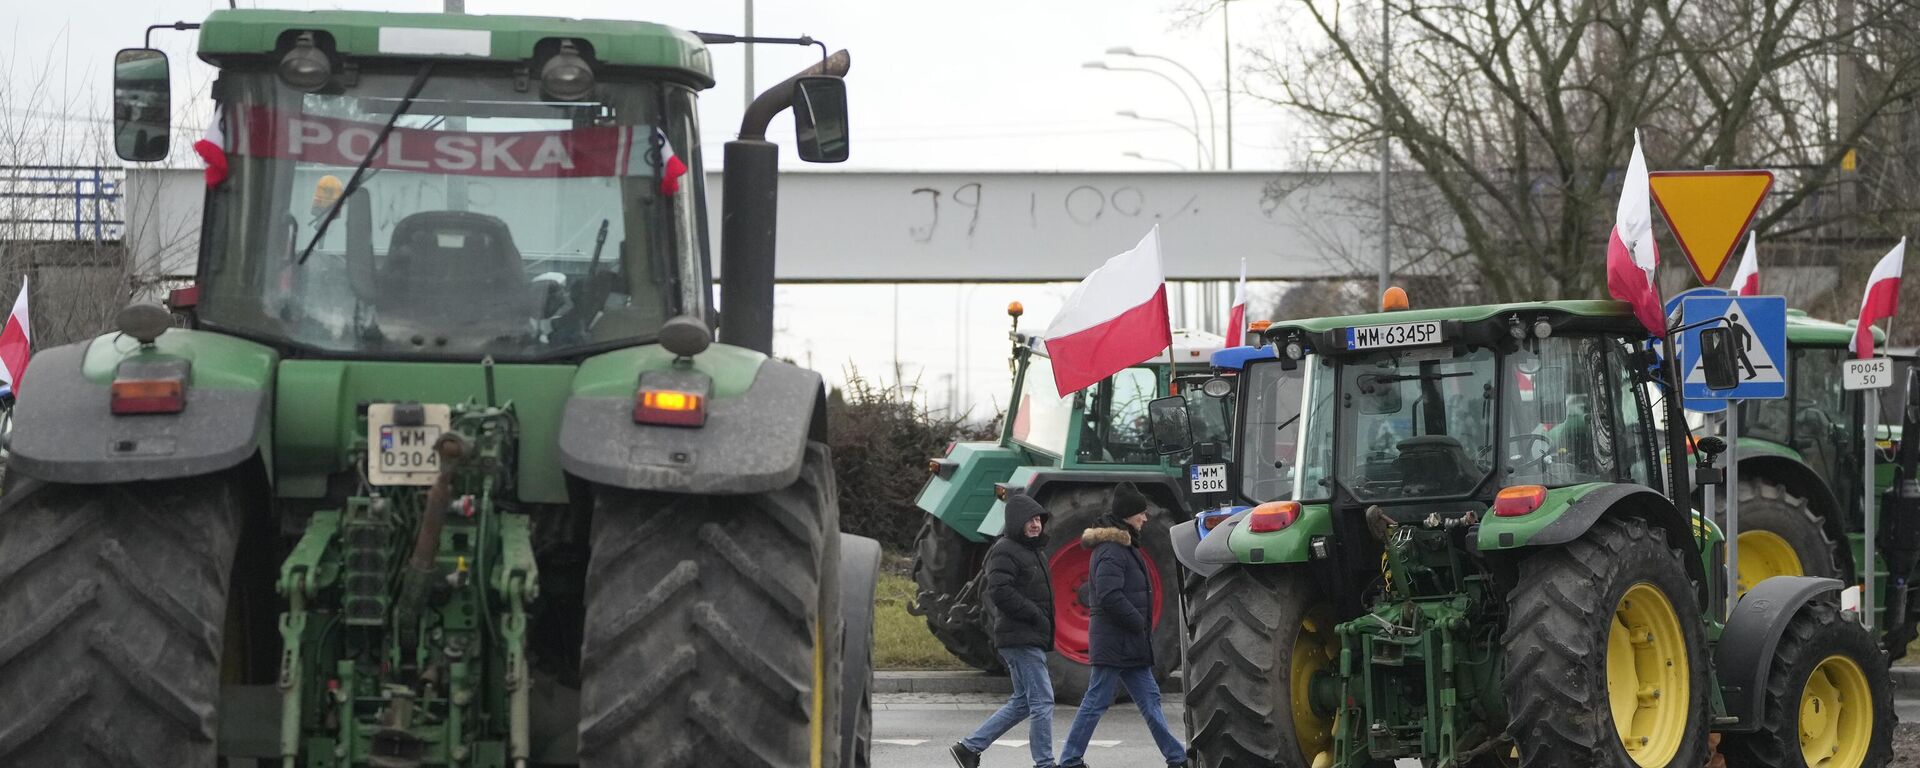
(1648,679)
(1836,715)
(1315,650)
(1764,555)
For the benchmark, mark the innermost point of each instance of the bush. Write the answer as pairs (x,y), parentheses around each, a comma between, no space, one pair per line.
(881,442)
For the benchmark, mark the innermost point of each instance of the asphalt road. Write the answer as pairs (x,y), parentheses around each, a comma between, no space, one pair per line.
(913,730)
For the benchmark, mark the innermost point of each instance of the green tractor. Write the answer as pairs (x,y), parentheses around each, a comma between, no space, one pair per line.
(443,467)
(1465,551)
(1800,477)
(1068,453)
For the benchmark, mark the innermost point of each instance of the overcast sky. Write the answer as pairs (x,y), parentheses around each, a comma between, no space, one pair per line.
(986,84)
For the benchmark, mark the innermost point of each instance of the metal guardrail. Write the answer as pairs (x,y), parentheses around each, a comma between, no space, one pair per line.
(61,202)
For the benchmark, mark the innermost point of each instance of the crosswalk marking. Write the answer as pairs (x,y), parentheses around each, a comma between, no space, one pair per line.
(901,742)
(1010,742)
(1102,743)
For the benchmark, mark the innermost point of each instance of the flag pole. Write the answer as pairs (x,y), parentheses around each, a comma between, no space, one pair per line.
(1170,361)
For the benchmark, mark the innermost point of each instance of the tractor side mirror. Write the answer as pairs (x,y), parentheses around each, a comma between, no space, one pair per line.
(820,119)
(142,105)
(1171,431)
(1550,393)
(1716,359)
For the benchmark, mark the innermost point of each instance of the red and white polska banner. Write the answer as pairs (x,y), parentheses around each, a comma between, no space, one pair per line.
(589,151)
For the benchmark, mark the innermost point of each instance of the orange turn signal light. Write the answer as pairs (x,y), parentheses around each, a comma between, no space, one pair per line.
(132,396)
(670,408)
(1273,516)
(1519,501)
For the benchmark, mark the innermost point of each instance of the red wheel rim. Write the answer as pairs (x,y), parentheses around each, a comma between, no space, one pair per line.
(1070,567)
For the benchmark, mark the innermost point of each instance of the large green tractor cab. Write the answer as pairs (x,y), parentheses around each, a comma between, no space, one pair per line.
(1800,476)
(1464,550)
(444,467)
(1068,453)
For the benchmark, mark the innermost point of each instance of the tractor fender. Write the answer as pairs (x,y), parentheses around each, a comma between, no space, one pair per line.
(1569,512)
(64,429)
(1037,482)
(1745,653)
(760,416)
(1186,539)
(1217,548)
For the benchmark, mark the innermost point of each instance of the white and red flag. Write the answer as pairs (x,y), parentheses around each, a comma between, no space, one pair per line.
(16,343)
(1746,279)
(671,166)
(1881,299)
(1117,317)
(212,148)
(1631,253)
(1237,317)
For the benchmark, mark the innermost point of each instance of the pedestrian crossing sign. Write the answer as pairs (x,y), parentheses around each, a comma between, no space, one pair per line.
(1757,327)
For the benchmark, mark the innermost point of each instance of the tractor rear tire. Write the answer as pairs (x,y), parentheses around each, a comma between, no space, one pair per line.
(1249,624)
(859,572)
(1776,519)
(1828,688)
(944,564)
(1574,632)
(112,603)
(1073,511)
(713,627)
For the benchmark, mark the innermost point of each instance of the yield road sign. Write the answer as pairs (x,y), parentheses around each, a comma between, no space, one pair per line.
(1758,326)
(1871,373)
(1708,211)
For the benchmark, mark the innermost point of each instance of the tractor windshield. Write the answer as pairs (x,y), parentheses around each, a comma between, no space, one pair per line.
(1416,423)
(491,222)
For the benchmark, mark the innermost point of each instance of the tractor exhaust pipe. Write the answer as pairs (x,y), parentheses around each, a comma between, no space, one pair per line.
(747,218)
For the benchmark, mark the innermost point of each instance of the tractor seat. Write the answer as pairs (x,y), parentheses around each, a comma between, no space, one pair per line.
(458,271)
(1435,463)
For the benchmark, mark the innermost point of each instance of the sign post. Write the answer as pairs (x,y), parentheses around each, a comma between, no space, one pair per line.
(1758,325)
(1868,377)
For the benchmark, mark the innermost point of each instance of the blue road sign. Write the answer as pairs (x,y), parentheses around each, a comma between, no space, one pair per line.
(1757,328)
(1673,302)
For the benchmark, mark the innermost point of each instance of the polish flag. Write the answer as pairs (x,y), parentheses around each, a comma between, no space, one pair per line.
(1631,254)
(671,167)
(1880,301)
(212,148)
(1117,317)
(1237,317)
(1746,279)
(16,343)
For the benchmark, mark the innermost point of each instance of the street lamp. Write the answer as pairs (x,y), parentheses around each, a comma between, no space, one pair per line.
(1200,159)
(1195,113)
(1213,126)
(1138,156)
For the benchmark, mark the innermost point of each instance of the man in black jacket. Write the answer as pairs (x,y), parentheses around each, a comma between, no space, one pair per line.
(1121,637)
(1021,596)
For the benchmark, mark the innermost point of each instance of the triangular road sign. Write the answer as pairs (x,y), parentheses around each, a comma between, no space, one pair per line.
(1708,212)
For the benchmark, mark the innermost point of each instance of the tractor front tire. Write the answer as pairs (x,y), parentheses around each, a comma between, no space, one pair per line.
(112,603)
(1073,511)
(1257,642)
(944,564)
(713,627)
(1829,699)
(1780,535)
(1604,648)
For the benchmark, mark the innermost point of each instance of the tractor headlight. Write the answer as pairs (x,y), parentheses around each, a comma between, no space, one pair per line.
(1217,387)
(305,68)
(566,75)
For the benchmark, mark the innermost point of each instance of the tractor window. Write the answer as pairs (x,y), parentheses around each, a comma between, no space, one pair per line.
(1115,429)
(1561,414)
(1275,464)
(1635,457)
(1821,422)
(1041,418)
(1416,422)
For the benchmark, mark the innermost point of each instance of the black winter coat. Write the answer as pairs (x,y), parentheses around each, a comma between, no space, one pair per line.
(1122,600)
(1018,587)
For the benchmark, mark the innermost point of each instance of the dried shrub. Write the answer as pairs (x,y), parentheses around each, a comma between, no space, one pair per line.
(881,441)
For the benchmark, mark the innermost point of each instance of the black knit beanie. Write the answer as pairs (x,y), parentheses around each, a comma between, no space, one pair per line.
(1127,501)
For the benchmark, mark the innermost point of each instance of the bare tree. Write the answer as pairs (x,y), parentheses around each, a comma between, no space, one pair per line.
(1515,117)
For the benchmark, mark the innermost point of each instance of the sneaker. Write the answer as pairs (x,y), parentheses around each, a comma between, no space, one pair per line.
(967,758)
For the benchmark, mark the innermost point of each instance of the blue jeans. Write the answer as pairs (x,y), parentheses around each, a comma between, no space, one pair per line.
(1032,701)
(1145,693)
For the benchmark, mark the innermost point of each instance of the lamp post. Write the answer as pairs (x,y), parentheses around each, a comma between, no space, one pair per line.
(1213,126)
(1138,156)
(1191,110)
(1200,154)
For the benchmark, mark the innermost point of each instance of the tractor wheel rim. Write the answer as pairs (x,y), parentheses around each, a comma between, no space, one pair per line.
(1648,676)
(1313,654)
(1069,568)
(1764,555)
(1836,715)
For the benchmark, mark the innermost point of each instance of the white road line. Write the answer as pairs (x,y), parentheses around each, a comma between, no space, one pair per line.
(1102,743)
(901,742)
(1010,742)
